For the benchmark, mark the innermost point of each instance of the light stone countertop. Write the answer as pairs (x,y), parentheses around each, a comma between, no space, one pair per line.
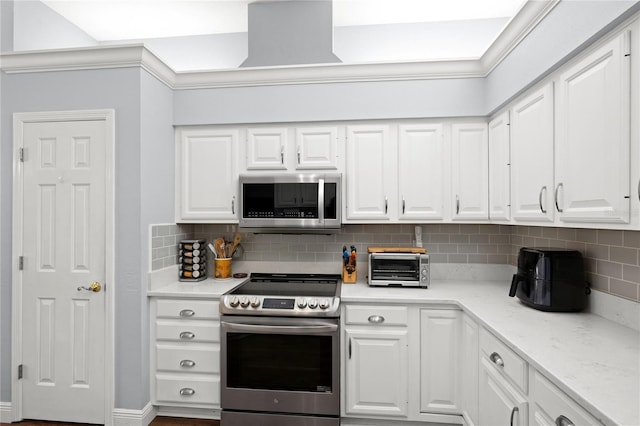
(594,360)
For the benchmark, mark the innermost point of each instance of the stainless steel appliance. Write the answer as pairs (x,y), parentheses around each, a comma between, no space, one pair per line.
(301,201)
(280,350)
(551,279)
(400,268)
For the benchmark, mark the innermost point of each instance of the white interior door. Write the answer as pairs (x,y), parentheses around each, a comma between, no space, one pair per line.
(63,244)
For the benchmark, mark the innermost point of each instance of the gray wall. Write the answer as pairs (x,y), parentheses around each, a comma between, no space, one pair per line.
(121,90)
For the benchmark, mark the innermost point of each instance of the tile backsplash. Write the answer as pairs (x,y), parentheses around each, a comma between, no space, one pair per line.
(612,257)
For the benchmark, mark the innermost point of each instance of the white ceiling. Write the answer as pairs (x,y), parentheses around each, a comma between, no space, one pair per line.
(109,20)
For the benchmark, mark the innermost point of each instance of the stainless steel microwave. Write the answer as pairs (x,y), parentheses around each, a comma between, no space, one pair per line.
(291,201)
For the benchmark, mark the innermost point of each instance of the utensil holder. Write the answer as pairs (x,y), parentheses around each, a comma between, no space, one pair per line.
(222,268)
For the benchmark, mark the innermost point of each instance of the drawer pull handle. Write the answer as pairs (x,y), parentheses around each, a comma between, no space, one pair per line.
(496,359)
(376,319)
(187,363)
(187,392)
(187,335)
(563,421)
(187,313)
(513,413)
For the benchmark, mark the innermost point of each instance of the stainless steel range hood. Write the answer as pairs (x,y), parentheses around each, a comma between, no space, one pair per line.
(290,32)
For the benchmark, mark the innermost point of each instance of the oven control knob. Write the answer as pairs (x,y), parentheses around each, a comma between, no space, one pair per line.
(234,302)
(313,303)
(244,302)
(255,302)
(324,304)
(302,303)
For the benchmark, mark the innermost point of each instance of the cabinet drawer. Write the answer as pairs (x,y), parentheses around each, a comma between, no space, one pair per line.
(188,331)
(555,403)
(185,389)
(504,359)
(377,315)
(188,309)
(188,358)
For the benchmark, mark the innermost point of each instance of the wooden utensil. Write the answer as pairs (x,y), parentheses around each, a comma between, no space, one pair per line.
(219,245)
(236,240)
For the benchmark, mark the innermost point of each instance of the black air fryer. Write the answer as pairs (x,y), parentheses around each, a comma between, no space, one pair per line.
(551,279)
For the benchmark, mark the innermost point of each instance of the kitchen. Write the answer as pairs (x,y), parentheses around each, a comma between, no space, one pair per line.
(147,110)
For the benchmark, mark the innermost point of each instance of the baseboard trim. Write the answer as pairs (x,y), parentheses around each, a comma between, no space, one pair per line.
(123,417)
(6,412)
(193,413)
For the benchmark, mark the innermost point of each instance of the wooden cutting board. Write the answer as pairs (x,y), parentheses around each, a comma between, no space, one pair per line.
(396,250)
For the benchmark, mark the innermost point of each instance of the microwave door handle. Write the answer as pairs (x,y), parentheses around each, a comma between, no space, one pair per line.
(321,200)
(281,329)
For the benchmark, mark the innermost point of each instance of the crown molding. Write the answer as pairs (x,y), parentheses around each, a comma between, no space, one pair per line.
(137,55)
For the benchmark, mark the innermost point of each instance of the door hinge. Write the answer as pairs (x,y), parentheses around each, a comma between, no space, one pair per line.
(20,263)
(20,371)
(21,155)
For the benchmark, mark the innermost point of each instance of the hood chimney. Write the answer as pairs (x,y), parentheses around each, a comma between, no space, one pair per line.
(290,32)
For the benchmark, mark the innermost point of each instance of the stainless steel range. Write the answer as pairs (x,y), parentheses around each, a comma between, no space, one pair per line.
(280,347)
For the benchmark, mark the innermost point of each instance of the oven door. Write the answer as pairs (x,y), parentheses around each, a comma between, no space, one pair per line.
(280,365)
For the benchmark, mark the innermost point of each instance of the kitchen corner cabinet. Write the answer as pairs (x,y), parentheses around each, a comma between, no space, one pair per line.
(301,148)
(185,353)
(371,173)
(439,355)
(469,344)
(376,361)
(470,171)
(593,136)
(499,168)
(206,175)
(532,157)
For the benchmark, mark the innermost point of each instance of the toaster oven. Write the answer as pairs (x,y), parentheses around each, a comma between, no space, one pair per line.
(406,268)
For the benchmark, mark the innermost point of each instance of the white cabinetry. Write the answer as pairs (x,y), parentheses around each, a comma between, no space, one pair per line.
(470,171)
(206,174)
(371,172)
(593,136)
(439,369)
(266,148)
(532,156)
(376,360)
(185,353)
(421,172)
(316,148)
(499,168)
(469,341)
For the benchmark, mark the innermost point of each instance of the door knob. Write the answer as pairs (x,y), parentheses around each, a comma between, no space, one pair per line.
(94,287)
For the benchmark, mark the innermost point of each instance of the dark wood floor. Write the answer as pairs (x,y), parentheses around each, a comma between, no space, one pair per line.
(158,421)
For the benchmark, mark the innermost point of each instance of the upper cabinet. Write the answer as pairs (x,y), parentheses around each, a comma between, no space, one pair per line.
(206,174)
(593,136)
(292,149)
(499,168)
(532,156)
(470,171)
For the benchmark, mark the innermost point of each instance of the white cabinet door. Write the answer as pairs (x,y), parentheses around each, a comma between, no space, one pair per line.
(206,174)
(317,148)
(499,168)
(371,173)
(470,171)
(499,402)
(266,148)
(376,372)
(421,172)
(532,157)
(592,150)
(439,370)
(469,369)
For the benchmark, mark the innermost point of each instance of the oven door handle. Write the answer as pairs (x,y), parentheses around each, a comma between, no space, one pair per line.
(282,329)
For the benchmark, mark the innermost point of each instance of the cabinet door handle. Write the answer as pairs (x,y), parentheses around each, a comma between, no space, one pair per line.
(563,421)
(187,313)
(543,189)
(187,363)
(403,204)
(281,154)
(556,197)
(376,319)
(298,154)
(638,189)
(386,204)
(457,204)
(233,205)
(513,413)
(187,335)
(349,347)
(187,392)
(496,359)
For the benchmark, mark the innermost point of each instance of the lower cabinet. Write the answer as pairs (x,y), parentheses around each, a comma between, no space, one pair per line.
(185,353)
(499,402)
(469,340)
